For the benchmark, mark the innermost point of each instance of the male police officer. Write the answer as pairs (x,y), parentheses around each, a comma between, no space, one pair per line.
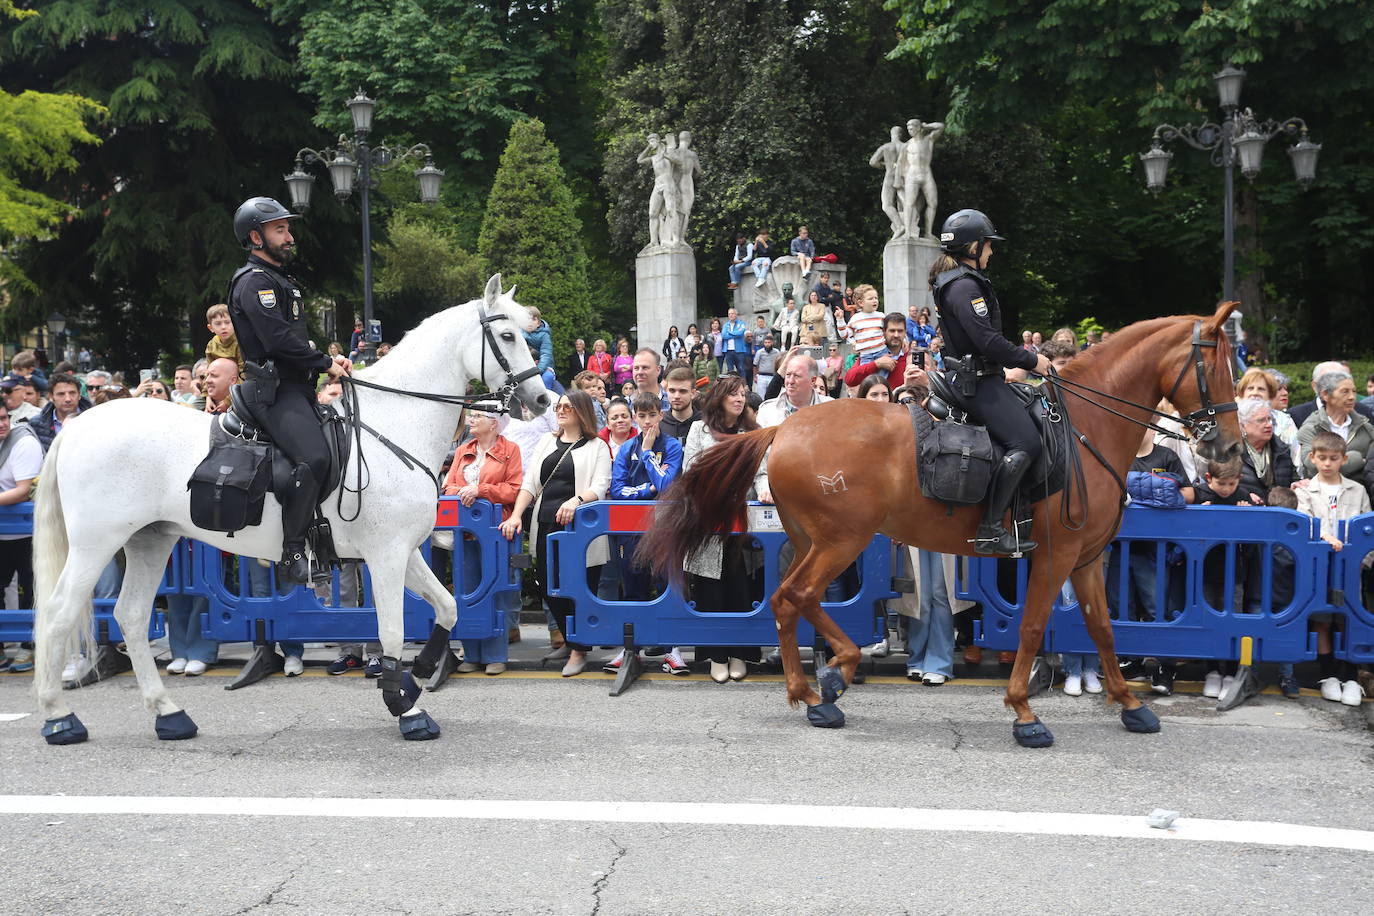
(268,312)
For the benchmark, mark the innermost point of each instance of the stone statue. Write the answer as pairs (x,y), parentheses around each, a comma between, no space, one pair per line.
(663,199)
(888,158)
(918,184)
(686,165)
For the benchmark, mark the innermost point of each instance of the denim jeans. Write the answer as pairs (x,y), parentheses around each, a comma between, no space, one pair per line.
(930,637)
(1074,664)
(608,586)
(184,631)
(737,361)
(761,267)
(737,271)
(260,586)
(493,649)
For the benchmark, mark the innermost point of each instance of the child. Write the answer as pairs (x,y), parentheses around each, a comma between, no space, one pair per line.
(223,344)
(644,467)
(1332,498)
(866,327)
(1283,574)
(1220,486)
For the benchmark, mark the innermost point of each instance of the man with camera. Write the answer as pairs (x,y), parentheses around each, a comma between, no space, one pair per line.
(892,364)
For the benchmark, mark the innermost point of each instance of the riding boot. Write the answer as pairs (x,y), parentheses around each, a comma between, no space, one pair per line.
(993,536)
(298,509)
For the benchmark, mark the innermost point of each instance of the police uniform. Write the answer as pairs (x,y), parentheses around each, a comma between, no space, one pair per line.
(971,324)
(268,312)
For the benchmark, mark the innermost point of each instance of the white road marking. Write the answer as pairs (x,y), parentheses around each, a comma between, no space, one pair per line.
(13,716)
(1133,827)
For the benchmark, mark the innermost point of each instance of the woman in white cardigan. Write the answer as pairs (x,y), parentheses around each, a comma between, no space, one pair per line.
(568,468)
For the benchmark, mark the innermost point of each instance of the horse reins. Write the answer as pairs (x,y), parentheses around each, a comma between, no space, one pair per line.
(352,415)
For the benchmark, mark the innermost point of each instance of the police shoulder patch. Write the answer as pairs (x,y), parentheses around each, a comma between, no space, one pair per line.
(267,298)
(980,307)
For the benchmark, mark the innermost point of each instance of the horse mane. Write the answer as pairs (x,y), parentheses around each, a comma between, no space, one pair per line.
(1103,365)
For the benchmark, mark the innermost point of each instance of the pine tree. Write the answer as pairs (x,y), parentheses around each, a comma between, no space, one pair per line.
(532,235)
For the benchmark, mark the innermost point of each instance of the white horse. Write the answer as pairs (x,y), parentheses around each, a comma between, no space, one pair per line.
(135,498)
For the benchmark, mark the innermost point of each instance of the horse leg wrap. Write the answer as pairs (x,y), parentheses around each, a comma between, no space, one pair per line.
(1141,719)
(66,730)
(399,690)
(429,656)
(825,715)
(175,726)
(831,681)
(1032,734)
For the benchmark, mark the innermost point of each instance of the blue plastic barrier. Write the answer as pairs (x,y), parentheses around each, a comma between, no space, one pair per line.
(671,620)
(16,625)
(1193,558)
(1355,638)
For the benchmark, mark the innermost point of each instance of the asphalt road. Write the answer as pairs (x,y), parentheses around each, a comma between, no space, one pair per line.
(699,800)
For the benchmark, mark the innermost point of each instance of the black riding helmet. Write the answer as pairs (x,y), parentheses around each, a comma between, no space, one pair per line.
(964,227)
(252,213)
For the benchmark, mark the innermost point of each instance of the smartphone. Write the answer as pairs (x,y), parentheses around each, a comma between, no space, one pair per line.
(921,357)
(147,375)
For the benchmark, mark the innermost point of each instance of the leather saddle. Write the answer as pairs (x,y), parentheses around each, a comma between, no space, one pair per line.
(242,421)
(1050,472)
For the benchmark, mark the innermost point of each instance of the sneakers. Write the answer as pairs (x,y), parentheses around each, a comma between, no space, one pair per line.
(1211,685)
(4,659)
(177,666)
(1135,670)
(22,662)
(1352,694)
(880,649)
(467,668)
(613,666)
(1091,682)
(496,668)
(343,664)
(1226,683)
(1288,686)
(914,674)
(1162,681)
(292,667)
(78,666)
(1073,685)
(933,680)
(195,668)
(373,668)
(1330,688)
(673,664)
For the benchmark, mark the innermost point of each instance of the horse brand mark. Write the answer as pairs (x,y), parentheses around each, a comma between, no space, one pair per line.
(833,484)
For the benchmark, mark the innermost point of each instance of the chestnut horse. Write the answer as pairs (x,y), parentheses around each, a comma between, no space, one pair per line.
(1183,358)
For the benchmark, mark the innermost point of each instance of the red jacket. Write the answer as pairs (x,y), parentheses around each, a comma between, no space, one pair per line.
(500,478)
(600,363)
(857,373)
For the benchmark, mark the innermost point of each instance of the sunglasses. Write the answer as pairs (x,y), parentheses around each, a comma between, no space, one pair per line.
(563,406)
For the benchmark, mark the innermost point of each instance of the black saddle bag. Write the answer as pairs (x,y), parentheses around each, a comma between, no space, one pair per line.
(956,463)
(228,488)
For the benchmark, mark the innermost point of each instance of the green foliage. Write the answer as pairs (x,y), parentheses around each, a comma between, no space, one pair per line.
(531,234)
(423,268)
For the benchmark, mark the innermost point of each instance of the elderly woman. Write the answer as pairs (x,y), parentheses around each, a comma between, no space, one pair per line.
(1336,412)
(1261,384)
(487,466)
(1265,463)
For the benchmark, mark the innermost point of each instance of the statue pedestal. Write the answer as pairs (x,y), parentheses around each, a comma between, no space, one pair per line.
(665,293)
(766,300)
(906,274)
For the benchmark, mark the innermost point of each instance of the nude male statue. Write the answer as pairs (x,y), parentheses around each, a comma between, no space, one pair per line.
(663,205)
(918,184)
(888,157)
(687,164)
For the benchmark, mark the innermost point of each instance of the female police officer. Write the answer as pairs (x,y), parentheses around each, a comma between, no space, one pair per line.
(268,311)
(971,324)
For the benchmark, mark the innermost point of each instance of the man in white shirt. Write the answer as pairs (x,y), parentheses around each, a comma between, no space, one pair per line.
(15,387)
(21,457)
(799,371)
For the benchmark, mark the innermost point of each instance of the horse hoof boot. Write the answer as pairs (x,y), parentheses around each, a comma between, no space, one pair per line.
(66,730)
(175,726)
(1141,719)
(825,715)
(1032,734)
(831,681)
(419,727)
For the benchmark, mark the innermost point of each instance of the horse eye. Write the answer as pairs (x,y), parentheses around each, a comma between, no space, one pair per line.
(507,336)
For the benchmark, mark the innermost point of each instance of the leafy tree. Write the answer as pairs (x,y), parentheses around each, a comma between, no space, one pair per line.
(423,268)
(38,132)
(1305,262)
(202,114)
(532,235)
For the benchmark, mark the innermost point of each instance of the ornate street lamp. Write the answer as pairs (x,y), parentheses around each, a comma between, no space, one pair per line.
(350,163)
(57,323)
(1238,140)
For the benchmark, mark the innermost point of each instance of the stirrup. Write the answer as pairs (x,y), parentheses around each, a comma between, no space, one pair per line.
(997,540)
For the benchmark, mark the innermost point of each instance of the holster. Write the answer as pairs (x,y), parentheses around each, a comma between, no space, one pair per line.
(259,385)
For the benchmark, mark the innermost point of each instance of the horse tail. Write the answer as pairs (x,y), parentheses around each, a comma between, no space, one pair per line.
(50,549)
(705,499)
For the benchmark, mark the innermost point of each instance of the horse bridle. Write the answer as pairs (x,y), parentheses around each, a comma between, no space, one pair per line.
(1203,421)
(513,379)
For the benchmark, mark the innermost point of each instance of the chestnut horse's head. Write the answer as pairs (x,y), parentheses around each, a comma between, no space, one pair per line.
(1196,376)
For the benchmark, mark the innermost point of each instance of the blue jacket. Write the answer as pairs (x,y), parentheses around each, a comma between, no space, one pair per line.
(635,475)
(541,340)
(732,336)
(1158,491)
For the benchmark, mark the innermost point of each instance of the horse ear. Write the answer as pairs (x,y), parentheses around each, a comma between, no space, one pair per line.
(511,292)
(493,290)
(1212,326)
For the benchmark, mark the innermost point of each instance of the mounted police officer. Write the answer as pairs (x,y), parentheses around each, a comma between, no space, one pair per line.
(268,311)
(971,324)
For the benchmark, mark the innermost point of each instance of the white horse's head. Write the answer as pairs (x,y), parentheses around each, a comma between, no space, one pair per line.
(502,340)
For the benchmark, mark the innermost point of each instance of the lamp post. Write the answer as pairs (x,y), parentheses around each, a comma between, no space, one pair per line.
(57,323)
(350,162)
(1239,138)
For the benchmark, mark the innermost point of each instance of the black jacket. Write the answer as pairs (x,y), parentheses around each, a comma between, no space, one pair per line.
(971,320)
(268,311)
(43,422)
(1280,466)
